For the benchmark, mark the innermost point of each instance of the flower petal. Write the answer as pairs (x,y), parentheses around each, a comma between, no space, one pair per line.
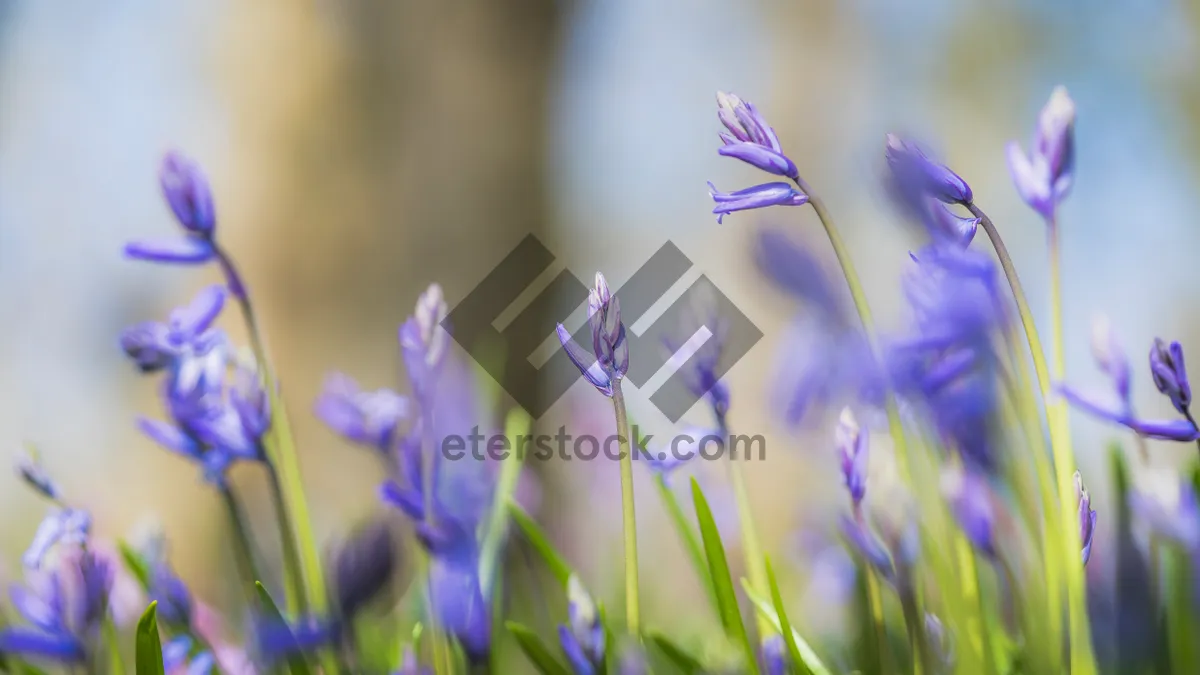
(177,250)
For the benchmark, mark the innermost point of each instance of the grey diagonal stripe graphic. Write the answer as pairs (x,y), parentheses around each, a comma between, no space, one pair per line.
(504,354)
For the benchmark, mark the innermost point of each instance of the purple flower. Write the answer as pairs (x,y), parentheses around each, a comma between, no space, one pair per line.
(971,502)
(423,340)
(698,363)
(363,568)
(609,359)
(65,620)
(913,173)
(1167,504)
(1045,175)
(797,270)
(949,227)
(1170,374)
(1087,517)
(410,666)
(750,138)
(29,468)
(582,638)
(65,525)
(1110,357)
(775,658)
(177,657)
(369,418)
(864,542)
(1183,430)
(853,450)
(154,346)
(187,192)
(665,458)
(757,197)
(454,587)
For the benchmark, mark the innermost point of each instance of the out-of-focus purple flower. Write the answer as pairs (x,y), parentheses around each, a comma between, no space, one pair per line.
(363,568)
(366,417)
(775,658)
(698,364)
(609,359)
(582,638)
(177,658)
(665,458)
(632,660)
(750,138)
(756,197)
(1110,356)
(940,641)
(155,346)
(949,227)
(276,640)
(970,500)
(65,618)
(1170,374)
(29,468)
(853,449)
(864,542)
(65,526)
(1166,503)
(190,198)
(796,270)
(172,594)
(1183,431)
(1045,175)
(410,666)
(423,340)
(914,173)
(454,587)
(1087,517)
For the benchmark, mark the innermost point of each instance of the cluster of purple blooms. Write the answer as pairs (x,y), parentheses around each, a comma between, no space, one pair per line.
(940,379)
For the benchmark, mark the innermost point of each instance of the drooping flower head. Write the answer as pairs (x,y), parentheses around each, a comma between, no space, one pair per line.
(188,194)
(853,448)
(609,359)
(1170,374)
(363,568)
(156,346)
(582,638)
(756,197)
(750,138)
(1087,517)
(370,418)
(1044,176)
(971,501)
(914,173)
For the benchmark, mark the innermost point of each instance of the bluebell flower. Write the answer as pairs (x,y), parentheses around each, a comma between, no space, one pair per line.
(363,568)
(178,658)
(369,418)
(64,622)
(775,657)
(609,358)
(1166,503)
(458,601)
(853,449)
(1044,176)
(865,543)
(913,172)
(666,458)
(1170,376)
(62,525)
(1087,517)
(155,346)
(582,638)
(410,666)
(699,364)
(756,197)
(29,468)
(971,503)
(188,194)
(750,138)
(275,640)
(424,341)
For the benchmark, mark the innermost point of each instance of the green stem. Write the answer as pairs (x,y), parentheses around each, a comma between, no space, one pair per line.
(242,550)
(292,584)
(895,426)
(112,644)
(1082,658)
(918,644)
(632,612)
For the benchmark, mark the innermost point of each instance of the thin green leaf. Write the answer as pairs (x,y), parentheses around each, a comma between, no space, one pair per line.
(149,646)
(807,655)
(685,662)
(136,563)
(536,650)
(691,540)
(785,626)
(722,581)
(516,425)
(536,536)
(297,664)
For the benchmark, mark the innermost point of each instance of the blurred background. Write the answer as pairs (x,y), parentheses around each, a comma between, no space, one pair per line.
(361,150)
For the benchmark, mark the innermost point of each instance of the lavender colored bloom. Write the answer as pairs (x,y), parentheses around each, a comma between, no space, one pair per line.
(940,641)
(1087,517)
(65,620)
(750,138)
(410,666)
(1167,504)
(609,359)
(756,197)
(971,502)
(363,568)
(665,458)
(172,594)
(1183,431)
(948,227)
(632,660)
(914,173)
(369,418)
(864,542)
(1170,374)
(29,468)
(1110,356)
(698,364)
(775,658)
(1045,175)
(190,198)
(155,346)
(853,450)
(66,526)
(796,270)
(454,587)
(423,340)
(582,638)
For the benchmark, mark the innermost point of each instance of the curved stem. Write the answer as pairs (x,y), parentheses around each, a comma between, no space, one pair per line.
(243,552)
(1082,658)
(632,612)
(895,427)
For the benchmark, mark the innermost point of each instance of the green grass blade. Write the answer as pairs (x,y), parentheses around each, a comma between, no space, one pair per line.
(136,563)
(785,626)
(691,540)
(536,536)
(536,650)
(149,646)
(722,581)
(686,663)
(807,655)
(516,425)
(296,661)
